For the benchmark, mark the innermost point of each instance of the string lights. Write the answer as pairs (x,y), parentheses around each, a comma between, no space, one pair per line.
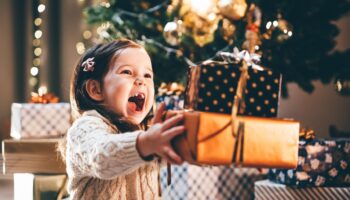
(34,80)
(86,33)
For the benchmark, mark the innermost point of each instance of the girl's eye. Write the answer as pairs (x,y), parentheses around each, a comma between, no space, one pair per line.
(148,75)
(126,71)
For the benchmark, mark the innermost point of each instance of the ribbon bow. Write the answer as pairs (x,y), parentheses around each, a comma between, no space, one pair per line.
(250,58)
(89,65)
(43,98)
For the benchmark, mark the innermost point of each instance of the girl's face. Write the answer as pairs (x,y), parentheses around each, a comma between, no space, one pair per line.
(128,87)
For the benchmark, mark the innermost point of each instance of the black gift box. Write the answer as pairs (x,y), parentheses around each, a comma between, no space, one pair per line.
(211,87)
(320,163)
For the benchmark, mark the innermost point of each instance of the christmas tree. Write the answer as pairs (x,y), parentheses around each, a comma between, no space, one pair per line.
(295,38)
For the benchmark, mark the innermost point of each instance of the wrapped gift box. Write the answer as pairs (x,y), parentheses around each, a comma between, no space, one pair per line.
(172,95)
(36,120)
(172,102)
(39,186)
(220,183)
(212,87)
(266,190)
(253,142)
(320,163)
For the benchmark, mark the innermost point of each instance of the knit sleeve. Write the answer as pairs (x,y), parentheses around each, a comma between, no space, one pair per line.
(92,150)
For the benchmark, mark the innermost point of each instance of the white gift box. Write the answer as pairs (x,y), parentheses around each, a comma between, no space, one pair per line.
(36,120)
(39,186)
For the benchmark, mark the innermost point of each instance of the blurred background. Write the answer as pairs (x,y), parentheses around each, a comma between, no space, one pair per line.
(40,42)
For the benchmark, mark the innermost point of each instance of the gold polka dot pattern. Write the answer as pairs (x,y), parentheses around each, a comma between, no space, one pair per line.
(214,86)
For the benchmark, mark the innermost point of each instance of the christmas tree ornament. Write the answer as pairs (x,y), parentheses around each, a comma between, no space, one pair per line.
(203,39)
(173,31)
(202,8)
(252,34)
(192,20)
(228,30)
(252,41)
(232,9)
(201,29)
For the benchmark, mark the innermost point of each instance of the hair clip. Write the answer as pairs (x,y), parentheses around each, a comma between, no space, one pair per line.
(89,65)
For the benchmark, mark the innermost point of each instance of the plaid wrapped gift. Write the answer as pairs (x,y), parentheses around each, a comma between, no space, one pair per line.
(212,86)
(220,183)
(320,163)
(36,120)
(266,190)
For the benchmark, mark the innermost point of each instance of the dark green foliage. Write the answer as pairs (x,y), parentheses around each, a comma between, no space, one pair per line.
(308,55)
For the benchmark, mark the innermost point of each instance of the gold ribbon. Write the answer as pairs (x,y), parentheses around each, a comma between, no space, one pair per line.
(238,104)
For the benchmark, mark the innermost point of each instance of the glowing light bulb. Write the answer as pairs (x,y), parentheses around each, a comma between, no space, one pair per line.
(38,34)
(87,34)
(80,47)
(268,25)
(38,21)
(275,23)
(42,90)
(41,8)
(37,51)
(34,71)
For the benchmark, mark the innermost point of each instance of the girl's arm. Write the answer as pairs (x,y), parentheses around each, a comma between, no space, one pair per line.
(93,151)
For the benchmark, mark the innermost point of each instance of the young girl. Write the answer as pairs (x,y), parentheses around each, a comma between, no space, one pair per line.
(108,155)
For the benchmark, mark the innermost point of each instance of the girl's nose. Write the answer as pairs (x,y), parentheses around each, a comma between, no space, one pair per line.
(139,81)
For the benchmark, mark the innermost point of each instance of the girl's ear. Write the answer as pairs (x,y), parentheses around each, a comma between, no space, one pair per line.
(93,88)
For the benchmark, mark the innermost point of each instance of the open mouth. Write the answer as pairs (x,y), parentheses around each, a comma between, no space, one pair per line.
(137,101)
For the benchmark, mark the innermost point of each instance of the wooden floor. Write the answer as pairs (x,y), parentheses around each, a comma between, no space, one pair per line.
(6,187)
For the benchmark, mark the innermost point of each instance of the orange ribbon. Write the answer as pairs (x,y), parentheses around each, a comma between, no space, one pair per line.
(45,98)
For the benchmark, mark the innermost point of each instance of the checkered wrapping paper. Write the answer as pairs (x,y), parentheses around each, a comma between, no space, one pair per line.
(267,190)
(191,182)
(31,120)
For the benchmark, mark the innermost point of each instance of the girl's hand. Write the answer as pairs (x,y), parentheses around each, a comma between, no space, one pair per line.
(156,140)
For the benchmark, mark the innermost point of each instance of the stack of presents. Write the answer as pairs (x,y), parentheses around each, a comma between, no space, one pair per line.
(43,118)
(236,148)
(234,145)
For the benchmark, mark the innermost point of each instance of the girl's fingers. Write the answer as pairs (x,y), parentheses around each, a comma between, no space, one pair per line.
(173,132)
(173,113)
(170,156)
(176,159)
(172,122)
(158,115)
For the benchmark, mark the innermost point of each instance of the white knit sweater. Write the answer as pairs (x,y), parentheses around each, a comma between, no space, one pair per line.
(102,164)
